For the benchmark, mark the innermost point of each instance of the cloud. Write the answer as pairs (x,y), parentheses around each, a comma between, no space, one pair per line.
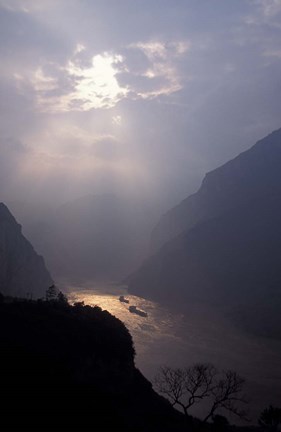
(92,86)
(41,82)
(14,6)
(261,29)
(79,48)
(264,12)
(75,152)
(82,85)
(95,86)
(153,50)
(64,160)
(161,76)
(117,120)
(98,87)
(27,6)
(158,51)
(269,8)
(273,53)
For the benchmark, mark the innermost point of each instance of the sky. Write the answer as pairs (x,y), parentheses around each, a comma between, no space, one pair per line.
(134,97)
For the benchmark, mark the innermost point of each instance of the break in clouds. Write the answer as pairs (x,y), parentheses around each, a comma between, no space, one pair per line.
(101,81)
(142,100)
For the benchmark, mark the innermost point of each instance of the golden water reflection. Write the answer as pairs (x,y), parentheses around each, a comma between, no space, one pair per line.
(201,335)
(150,334)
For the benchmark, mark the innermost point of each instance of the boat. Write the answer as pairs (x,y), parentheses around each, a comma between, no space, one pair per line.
(123,299)
(135,310)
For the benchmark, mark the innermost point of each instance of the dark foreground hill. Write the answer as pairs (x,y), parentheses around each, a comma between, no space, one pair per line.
(72,368)
(22,270)
(225,242)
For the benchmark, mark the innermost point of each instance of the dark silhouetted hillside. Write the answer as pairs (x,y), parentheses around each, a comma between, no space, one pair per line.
(72,368)
(22,270)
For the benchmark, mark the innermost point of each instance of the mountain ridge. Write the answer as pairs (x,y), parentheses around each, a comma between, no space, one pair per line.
(211,198)
(231,254)
(22,271)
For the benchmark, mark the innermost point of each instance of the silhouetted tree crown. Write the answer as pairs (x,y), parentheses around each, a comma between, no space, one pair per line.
(270,419)
(187,386)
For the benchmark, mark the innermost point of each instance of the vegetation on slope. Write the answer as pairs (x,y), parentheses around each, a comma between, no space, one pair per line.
(73,367)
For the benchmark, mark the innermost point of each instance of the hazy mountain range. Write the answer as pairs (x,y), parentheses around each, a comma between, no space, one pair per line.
(220,246)
(95,237)
(223,244)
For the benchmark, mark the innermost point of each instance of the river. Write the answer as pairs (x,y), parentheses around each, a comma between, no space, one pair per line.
(166,337)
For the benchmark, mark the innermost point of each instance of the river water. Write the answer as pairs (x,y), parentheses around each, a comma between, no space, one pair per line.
(166,337)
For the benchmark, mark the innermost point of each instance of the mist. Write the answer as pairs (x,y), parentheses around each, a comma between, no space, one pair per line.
(138,101)
(128,158)
(91,107)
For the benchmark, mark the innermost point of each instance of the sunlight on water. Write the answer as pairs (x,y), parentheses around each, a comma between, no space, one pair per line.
(201,335)
(159,327)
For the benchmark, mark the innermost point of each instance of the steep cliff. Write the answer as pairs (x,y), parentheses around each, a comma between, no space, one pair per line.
(252,175)
(228,248)
(22,270)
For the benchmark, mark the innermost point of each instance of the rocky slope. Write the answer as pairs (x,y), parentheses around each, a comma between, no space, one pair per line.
(251,176)
(228,247)
(22,270)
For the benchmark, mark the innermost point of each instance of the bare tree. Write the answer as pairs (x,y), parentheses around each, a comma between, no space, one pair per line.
(199,380)
(227,393)
(185,387)
(170,382)
(270,419)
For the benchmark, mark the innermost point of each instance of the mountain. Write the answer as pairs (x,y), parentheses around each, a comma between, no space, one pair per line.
(226,241)
(72,368)
(22,270)
(252,175)
(96,237)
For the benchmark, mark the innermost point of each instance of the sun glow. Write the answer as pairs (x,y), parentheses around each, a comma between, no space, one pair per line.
(96,86)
